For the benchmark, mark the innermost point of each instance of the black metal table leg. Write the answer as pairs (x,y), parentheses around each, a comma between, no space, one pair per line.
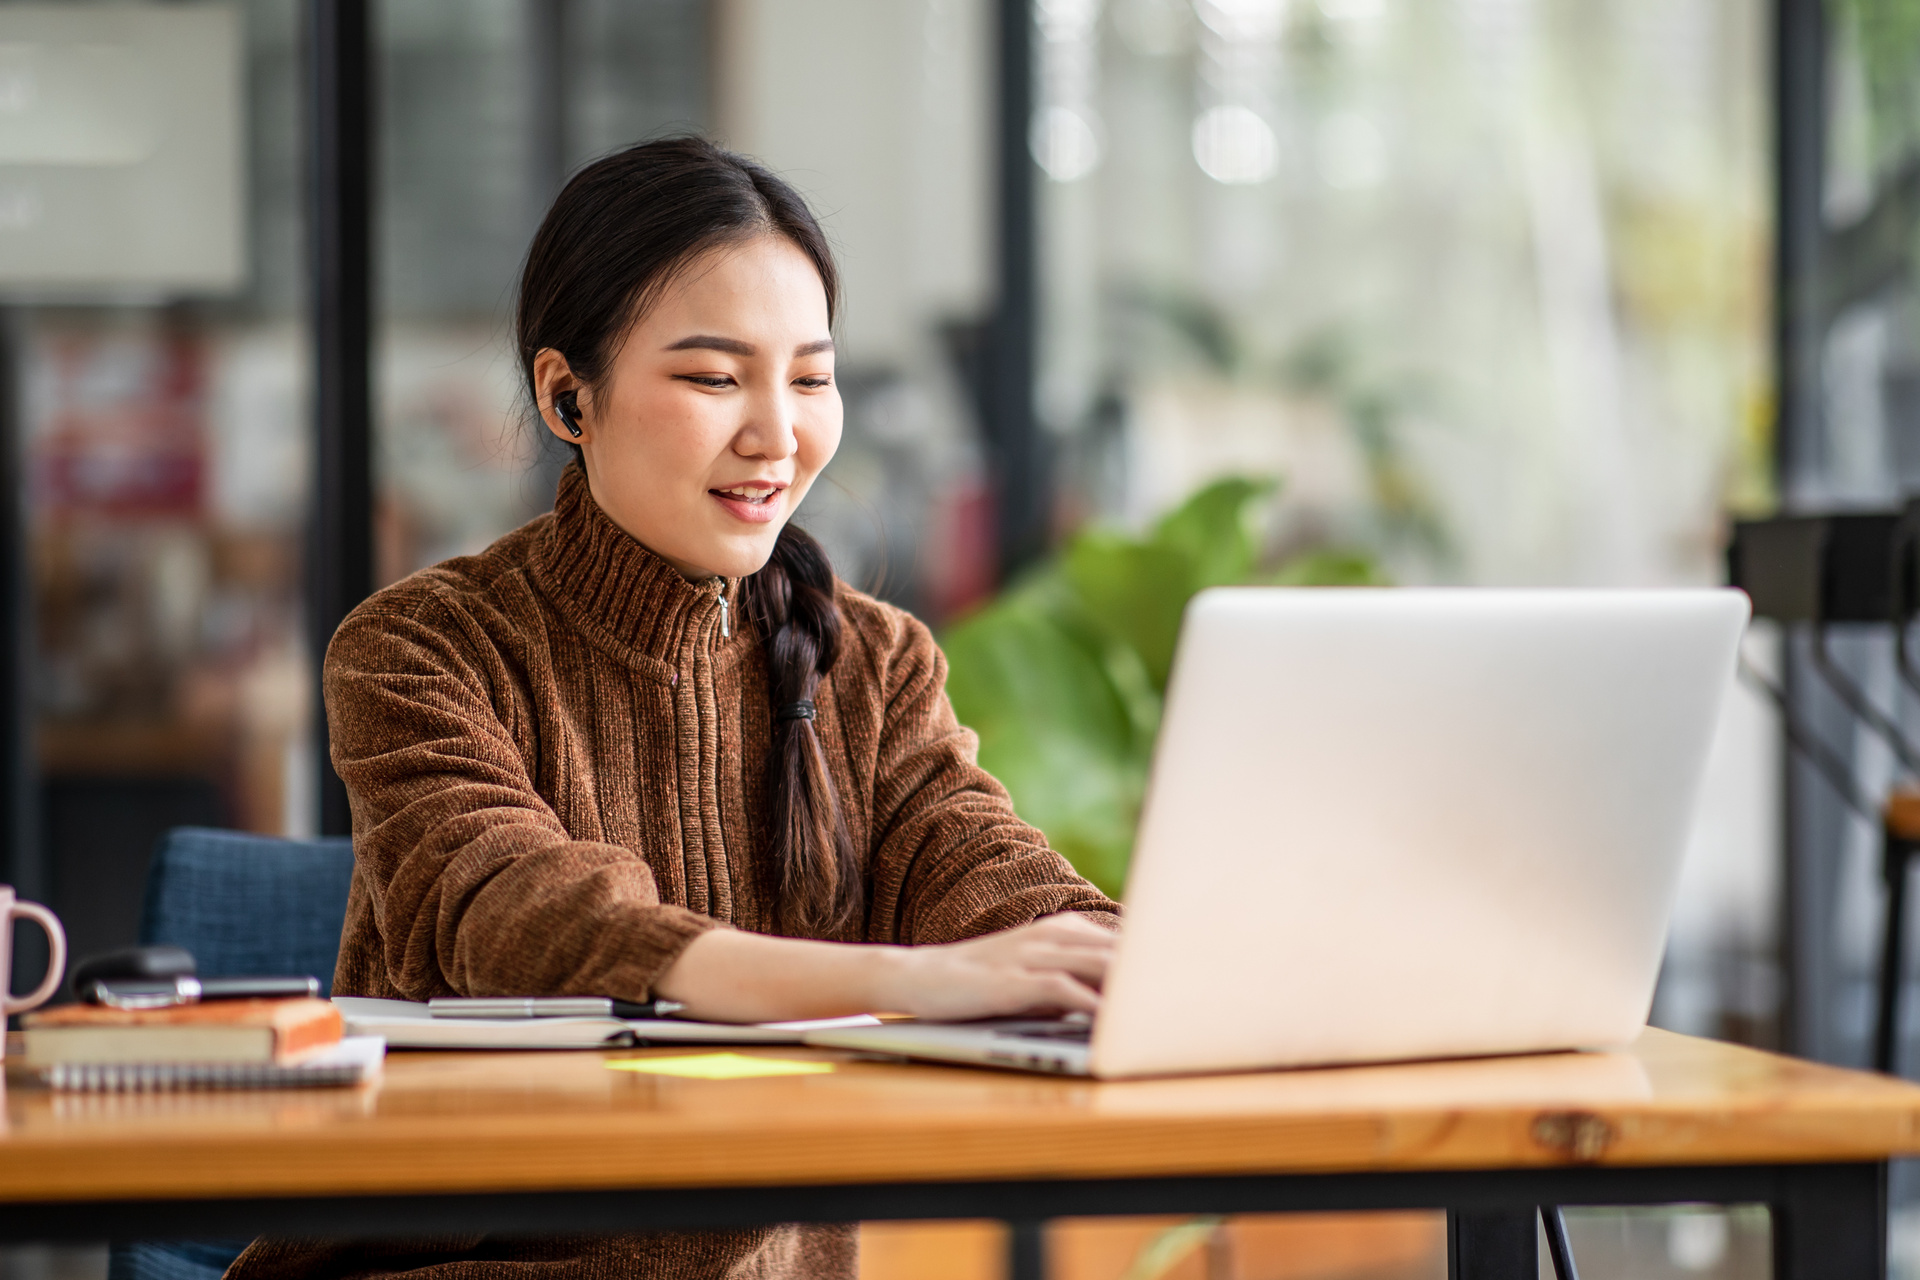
(1027,1249)
(1500,1245)
(1896,856)
(1554,1224)
(1830,1223)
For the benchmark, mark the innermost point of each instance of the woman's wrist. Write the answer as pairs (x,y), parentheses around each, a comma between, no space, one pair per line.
(889,972)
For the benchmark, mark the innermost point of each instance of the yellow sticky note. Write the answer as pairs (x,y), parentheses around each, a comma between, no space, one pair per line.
(720,1066)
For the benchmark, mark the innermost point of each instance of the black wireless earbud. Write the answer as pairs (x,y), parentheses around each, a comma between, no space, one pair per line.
(567,405)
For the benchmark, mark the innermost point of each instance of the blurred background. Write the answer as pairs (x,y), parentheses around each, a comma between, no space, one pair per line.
(1309,291)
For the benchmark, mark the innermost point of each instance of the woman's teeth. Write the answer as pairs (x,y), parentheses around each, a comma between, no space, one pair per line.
(748,495)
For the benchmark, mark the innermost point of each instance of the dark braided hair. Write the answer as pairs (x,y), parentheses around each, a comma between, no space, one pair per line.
(615,238)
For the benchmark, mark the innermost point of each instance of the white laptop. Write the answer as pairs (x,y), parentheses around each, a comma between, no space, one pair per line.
(1396,824)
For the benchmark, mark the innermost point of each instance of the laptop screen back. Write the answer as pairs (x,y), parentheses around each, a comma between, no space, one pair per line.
(1413,823)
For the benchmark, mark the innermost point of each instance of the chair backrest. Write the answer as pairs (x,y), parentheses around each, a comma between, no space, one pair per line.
(247,904)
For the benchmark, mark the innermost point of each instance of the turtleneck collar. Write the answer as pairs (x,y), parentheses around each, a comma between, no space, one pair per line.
(605,581)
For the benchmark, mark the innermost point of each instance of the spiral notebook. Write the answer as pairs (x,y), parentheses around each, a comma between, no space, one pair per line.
(351,1061)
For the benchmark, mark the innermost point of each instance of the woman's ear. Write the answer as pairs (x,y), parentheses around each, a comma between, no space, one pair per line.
(556,394)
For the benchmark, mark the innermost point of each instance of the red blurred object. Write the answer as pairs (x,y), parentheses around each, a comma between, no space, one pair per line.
(122,426)
(963,568)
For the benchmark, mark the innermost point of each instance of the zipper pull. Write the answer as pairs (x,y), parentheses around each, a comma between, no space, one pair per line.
(725,629)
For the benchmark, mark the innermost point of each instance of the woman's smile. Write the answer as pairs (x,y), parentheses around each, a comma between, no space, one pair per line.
(755,502)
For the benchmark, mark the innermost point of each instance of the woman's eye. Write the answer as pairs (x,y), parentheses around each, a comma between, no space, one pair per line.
(707,379)
(815,383)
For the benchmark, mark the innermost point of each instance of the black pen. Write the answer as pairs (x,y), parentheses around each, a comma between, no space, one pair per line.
(549,1007)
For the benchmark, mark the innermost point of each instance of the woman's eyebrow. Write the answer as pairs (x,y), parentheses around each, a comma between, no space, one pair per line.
(735,347)
(709,342)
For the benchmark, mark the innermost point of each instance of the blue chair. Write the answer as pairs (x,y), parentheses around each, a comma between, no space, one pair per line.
(243,904)
(247,904)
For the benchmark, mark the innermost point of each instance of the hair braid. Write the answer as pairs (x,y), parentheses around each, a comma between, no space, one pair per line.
(821,884)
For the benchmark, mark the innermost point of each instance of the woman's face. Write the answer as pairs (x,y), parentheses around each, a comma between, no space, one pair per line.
(717,412)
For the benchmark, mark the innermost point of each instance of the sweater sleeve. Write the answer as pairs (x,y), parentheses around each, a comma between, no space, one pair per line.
(951,859)
(475,888)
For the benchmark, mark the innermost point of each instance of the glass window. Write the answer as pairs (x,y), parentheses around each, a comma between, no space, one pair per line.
(1854,444)
(153,272)
(1484,281)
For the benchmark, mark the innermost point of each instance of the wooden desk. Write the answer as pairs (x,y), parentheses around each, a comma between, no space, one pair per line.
(559,1141)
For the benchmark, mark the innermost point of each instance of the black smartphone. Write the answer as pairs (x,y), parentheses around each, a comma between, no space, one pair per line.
(159,977)
(152,993)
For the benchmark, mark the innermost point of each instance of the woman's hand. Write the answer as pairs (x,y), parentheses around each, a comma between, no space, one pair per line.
(1054,965)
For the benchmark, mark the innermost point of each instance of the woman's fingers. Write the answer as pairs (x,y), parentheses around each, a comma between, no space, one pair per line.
(1084,963)
(1075,927)
(1062,992)
(1067,934)
(1056,964)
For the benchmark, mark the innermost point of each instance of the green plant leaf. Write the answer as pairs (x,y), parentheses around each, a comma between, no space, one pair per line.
(1054,728)
(1132,592)
(1171,1247)
(1330,568)
(1215,530)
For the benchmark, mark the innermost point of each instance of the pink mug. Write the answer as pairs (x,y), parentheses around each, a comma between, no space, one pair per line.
(11,908)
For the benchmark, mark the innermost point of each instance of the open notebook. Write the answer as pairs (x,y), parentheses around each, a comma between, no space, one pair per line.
(407,1025)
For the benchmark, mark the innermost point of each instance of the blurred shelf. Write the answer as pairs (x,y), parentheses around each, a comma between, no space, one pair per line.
(134,749)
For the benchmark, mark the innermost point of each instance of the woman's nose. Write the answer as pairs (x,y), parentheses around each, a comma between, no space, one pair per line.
(771,431)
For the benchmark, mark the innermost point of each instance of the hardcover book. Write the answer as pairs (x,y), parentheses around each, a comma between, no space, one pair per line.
(229,1031)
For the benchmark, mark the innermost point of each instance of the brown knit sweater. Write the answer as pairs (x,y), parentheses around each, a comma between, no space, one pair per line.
(556,761)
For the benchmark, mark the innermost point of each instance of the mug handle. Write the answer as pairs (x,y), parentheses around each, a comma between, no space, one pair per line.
(56,963)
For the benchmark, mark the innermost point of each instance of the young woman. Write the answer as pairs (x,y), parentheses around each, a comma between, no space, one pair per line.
(648,745)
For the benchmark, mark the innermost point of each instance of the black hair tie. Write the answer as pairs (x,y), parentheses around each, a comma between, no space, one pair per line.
(801,710)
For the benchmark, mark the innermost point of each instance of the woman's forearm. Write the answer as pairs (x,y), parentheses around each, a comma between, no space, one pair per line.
(728,975)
